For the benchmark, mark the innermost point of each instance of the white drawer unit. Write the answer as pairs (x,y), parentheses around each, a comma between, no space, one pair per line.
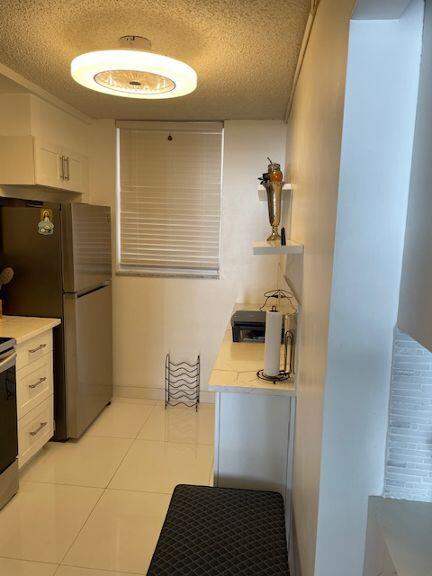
(33,349)
(34,384)
(34,430)
(34,380)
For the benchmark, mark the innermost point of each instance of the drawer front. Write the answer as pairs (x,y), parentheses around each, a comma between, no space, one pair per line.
(33,349)
(34,384)
(34,430)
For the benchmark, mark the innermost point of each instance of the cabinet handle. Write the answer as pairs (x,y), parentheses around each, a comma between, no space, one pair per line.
(38,383)
(67,168)
(40,347)
(62,167)
(38,429)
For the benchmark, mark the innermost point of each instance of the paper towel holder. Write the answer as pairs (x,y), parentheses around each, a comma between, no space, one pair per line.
(287,373)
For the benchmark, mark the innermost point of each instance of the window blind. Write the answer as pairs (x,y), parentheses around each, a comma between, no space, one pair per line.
(169,197)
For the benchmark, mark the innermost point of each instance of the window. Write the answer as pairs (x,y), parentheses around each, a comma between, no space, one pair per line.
(169,191)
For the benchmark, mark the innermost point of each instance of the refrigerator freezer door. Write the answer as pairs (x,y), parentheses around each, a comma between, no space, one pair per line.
(86,246)
(88,343)
(36,288)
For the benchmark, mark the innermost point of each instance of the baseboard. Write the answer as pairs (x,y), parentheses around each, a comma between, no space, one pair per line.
(293,553)
(142,393)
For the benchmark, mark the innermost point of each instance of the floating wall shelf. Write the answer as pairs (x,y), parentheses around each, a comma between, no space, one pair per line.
(266,249)
(262,194)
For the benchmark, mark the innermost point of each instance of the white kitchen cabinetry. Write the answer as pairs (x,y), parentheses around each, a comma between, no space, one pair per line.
(59,167)
(34,381)
(35,398)
(28,161)
(41,146)
(253,419)
(252,436)
(75,170)
(48,164)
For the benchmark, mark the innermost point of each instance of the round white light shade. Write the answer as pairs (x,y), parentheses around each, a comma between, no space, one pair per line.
(133,74)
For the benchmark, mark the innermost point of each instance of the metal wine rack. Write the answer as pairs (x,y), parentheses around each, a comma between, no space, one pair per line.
(182,383)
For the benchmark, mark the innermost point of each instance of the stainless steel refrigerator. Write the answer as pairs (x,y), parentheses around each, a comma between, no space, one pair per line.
(61,256)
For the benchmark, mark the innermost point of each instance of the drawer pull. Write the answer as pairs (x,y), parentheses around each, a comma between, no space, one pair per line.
(38,429)
(38,383)
(40,347)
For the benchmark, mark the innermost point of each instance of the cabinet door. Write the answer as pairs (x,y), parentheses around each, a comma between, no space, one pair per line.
(253,441)
(17,160)
(75,172)
(48,165)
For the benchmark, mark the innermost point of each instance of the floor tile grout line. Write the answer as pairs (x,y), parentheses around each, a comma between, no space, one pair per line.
(128,437)
(132,439)
(96,570)
(152,492)
(107,488)
(104,489)
(139,491)
(31,561)
(96,503)
(127,451)
(80,530)
(152,440)
(120,463)
(175,442)
(146,420)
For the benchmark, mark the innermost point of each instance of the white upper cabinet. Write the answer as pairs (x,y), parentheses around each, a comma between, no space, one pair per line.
(47,165)
(74,171)
(58,167)
(41,145)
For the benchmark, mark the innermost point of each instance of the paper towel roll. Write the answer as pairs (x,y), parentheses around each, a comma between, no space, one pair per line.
(273,332)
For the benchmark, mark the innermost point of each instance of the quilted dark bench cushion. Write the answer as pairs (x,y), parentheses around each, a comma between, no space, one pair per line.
(222,531)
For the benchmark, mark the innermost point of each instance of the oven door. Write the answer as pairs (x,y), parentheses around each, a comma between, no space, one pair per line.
(8,410)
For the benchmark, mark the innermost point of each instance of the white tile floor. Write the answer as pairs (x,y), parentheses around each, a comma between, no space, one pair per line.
(95,507)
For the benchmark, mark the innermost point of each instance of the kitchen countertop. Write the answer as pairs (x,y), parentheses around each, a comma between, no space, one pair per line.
(237,364)
(23,328)
(407,530)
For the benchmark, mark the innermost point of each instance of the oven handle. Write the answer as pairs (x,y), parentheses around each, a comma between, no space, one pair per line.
(38,429)
(7,361)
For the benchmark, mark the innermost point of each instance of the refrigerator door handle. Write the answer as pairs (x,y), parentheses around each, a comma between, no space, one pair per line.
(93,289)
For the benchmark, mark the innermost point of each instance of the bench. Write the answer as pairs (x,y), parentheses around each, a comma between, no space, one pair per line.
(222,531)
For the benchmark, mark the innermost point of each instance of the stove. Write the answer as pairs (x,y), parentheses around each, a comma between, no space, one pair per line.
(6,344)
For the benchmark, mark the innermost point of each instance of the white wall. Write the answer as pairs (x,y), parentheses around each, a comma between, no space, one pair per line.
(380,9)
(185,316)
(379,119)
(416,290)
(315,130)
(352,226)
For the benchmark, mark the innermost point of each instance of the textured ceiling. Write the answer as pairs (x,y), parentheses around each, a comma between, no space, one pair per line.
(244,51)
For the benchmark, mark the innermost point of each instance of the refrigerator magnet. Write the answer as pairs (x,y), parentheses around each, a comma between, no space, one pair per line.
(46,226)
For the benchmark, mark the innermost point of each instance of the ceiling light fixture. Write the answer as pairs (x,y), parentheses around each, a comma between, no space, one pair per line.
(134,72)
